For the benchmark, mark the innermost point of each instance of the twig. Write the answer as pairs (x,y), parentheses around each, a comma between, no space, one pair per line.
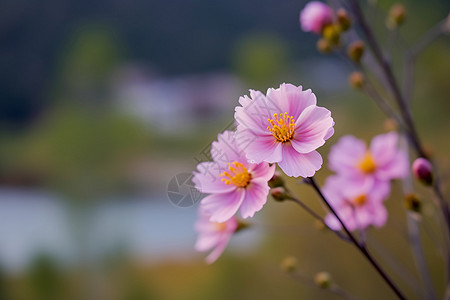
(401,102)
(317,217)
(412,54)
(362,248)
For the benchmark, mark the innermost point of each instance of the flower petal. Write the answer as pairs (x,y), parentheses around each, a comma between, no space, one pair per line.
(215,254)
(225,150)
(397,167)
(311,128)
(207,241)
(296,164)
(262,170)
(379,215)
(207,180)
(223,206)
(345,154)
(291,99)
(259,148)
(255,197)
(383,147)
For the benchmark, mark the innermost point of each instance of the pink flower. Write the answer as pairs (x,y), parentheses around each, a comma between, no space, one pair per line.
(315,16)
(357,203)
(232,182)
(213,235)
(382,161)
(284,127)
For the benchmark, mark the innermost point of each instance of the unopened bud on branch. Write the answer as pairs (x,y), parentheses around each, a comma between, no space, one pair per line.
(242,225)
(397,16)
(276,180)
(413,203)
(423,170)
(356,80)
(279,193)
(331,34)
(343,19)
(289,264)
(355,51)
(323,280)
(324,46)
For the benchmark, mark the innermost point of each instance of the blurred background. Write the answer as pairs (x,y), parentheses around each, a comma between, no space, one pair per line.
(107,106)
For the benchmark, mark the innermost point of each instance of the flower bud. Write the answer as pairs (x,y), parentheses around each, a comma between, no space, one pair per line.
(423,170)
(319,225)
(276,180)
(331,34)
(397,15)
(279,193)
(324,46)
(390,125)
(343,20)
(315,16)
(323,280)
(289,264)
(355,51)
(356,80)
(242,225)
(413,203)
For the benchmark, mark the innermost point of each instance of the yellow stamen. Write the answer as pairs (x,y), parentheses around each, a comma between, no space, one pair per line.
(367,164)
(238,175)
(282,127)
(360,200)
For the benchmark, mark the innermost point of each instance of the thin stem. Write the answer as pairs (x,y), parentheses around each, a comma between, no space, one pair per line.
(362,248)
(336,289)
(387,70)
(412,54)
(382,104)
(414,236)
(401,101)
(317,217)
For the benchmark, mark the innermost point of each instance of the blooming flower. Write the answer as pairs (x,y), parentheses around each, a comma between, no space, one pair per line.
(382,161)
(357,203)
(284,127)
(315,16)
(232,182)
(213,235)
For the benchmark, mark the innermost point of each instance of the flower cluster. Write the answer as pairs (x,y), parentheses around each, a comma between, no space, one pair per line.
(362,180)
(319,18)
(285,126)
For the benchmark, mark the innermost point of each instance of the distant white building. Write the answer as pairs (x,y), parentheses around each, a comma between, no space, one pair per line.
(175,104)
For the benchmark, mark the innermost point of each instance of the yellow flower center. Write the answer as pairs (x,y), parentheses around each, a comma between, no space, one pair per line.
(367,164)
(220,226)
(360,200)
(282,127)
(237,175)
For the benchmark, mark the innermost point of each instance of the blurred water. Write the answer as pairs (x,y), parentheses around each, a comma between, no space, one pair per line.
(33,222)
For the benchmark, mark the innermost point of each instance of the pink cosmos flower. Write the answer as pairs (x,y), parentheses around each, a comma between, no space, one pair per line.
(284,127)
(357,203)
(382,161)
(232,182)
(213,235)
(315,16)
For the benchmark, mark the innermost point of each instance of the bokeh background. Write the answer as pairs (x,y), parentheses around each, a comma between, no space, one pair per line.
(106,105)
